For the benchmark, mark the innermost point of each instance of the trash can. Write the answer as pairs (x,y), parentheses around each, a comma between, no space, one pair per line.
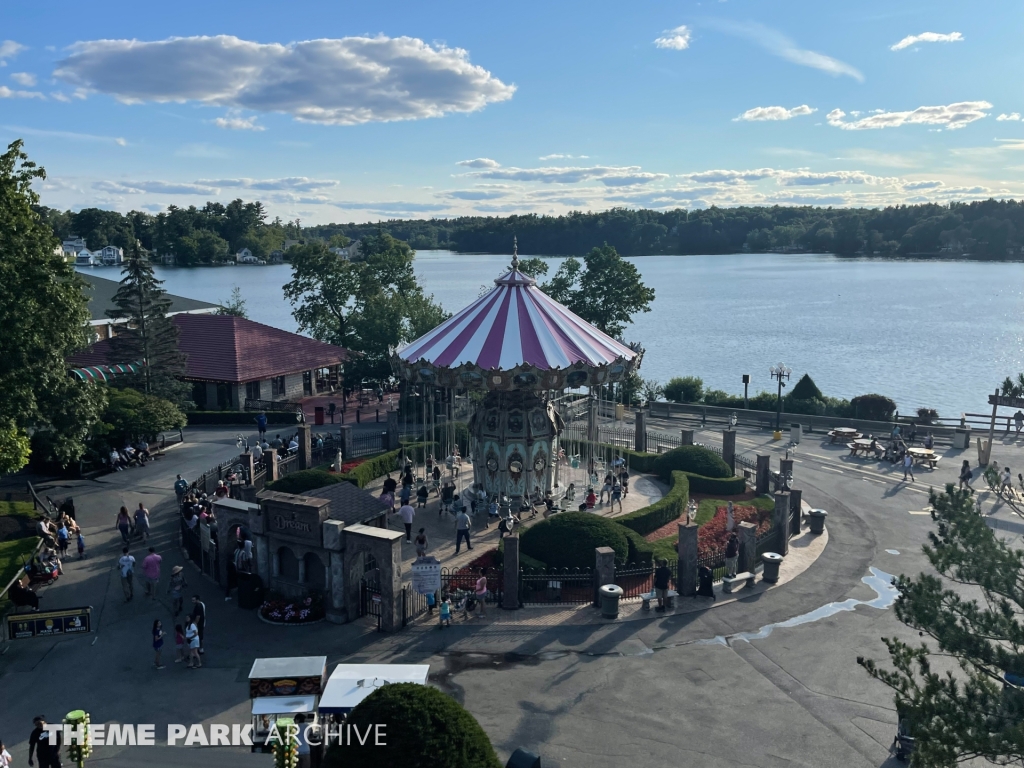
(250,591)
(817,517)
(620,412)
(318,415)
(610,595)
(962,438)
(705,582)
(772,561)
(795,433)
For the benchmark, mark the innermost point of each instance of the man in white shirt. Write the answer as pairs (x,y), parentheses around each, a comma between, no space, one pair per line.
(462,526)
(257,453)
(126,564)
(408,514)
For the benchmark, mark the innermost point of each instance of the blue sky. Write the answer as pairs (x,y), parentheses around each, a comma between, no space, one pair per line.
(338,111)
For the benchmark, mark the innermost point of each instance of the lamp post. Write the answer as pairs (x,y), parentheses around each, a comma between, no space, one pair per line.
(780,372)
(746,384)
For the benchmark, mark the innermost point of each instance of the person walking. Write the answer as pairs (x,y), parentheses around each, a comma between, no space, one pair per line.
(481,592)
(176,589)
(151,570)
(126,564)
(142,522)
(158,643)
(662,576)
(1006,482)
(180,489)
(124,525)
(965,474)
(81,546)
(199,617)
(44,743)
(192,640)
(5,756)
(63,540)
(408,514)
(1018,420)
(908,467)
(462,526)
(732,555)
(421,543)
(616,496)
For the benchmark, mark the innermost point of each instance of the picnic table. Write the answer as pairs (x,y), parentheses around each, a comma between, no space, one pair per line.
(924,456)
(842,434)
(860,445)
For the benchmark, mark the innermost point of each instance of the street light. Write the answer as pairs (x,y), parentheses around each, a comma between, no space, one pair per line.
(780,372)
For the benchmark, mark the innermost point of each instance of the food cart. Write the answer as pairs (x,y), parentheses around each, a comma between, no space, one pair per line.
(284,687)
(349,684)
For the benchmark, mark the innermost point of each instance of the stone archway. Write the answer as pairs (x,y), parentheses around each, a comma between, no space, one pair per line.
(315,571)
(287,564)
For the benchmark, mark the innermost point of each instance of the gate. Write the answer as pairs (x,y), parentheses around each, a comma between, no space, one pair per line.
(413,604)
(369,599)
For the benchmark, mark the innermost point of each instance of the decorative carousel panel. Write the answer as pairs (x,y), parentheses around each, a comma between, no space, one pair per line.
(515,461)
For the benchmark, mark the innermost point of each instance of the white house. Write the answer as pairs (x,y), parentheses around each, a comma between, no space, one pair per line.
(84,258)
(73,246)
(245,256)
(110,255)
(350,251)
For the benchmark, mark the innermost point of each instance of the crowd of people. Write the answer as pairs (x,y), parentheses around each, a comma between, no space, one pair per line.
(130,456)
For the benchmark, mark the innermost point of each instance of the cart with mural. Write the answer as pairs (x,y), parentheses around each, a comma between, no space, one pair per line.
(284,687)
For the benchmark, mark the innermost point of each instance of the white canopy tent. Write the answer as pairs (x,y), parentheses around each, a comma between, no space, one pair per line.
(349,684)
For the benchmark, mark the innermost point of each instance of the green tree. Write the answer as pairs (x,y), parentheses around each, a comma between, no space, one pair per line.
(955,695)
(684,389)
(131,415)
(210,247)
(533,267)
(235,305)
(147,335)
(43,311)
(806,389)
(605,290)
(322,291)
(14,448)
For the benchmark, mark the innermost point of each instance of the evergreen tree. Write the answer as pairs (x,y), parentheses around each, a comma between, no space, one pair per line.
(148,336)
(806,389)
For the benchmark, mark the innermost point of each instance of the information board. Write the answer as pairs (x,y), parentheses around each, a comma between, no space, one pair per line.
(426,575)
(69,621)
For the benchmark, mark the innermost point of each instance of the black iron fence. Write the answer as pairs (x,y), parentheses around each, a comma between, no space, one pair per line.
(715,560)
(207,481)
(556,586)
(460,582)
(367,443)
(206,559)
(270,405)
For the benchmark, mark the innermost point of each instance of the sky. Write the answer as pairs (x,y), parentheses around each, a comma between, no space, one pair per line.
(350,112)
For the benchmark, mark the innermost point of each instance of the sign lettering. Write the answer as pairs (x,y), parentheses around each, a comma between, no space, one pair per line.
(70,621)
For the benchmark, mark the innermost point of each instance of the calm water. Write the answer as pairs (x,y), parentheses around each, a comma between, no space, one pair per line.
(936,334)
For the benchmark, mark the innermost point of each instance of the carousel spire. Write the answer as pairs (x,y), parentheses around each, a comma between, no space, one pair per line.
(515,252)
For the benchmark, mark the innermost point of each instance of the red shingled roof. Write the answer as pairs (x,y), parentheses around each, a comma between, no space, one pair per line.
(233,349)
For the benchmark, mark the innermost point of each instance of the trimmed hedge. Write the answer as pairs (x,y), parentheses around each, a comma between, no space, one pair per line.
(641,551)
(525,561)
(378,466)
(304,481)
(725,486)
(198,418)
(668,508)
(568,540)
(693,459)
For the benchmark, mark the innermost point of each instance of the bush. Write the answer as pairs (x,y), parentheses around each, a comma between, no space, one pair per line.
(247,418)
(380,465)
(725,486)
(927,415)
(641,551)
(684,389)
(425,729)
(806,389)
(661,512)
(693,459)
(303,481)
(568,540)
(873,407)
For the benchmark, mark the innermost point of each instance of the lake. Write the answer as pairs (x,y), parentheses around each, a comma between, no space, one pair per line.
(938,334)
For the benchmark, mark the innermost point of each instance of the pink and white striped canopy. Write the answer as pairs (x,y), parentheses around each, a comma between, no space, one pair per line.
(516,326)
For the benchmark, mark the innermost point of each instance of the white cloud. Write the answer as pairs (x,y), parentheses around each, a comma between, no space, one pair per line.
(236,123)
(950,116)
(343,81)
(927,37)
(58,96)
(24,78)
(300,183)
(8,50)
(775,113)
(480,162)
(7,93)
(71,135)
(677,39)
(475,194)
(928,184)
(608,175)
(779,45)
(158,187)
(558,156)
(1012,116)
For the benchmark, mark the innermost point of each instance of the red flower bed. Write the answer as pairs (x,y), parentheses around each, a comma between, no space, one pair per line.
(488,559)
(348,466)
(712,536)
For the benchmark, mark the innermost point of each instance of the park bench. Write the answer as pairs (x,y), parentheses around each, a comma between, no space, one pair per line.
(739,581)
(647,597)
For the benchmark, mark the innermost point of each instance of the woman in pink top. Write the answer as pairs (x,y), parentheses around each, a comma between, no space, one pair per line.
(481,590)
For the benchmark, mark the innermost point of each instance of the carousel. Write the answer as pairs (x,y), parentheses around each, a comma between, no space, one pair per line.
(517,348)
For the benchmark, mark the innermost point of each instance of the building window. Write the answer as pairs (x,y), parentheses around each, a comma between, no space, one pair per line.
(277,387)
(252,390)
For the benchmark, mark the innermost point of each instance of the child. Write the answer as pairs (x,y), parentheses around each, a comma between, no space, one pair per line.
(570,494)
(5,756)
(81,546)
(421,496)
(431,600)
(158,643)
(591,498)
(179,643)
(446,612)
(62,540)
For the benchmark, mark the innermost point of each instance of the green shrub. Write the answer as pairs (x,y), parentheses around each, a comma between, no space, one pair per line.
(303,481)
(693,459)
(246,418)
(641,551)
(568,540)
(525,561)
(666,548)
(425,729)
(380,465)
(684,389)
(873,407)
(726,486)
(806,389)
(665,510)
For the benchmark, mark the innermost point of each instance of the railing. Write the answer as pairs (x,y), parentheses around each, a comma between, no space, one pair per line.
(192,543)
(270,405)
(459,582)
(287,465)
(367,443)
(765,543)
(207,481)
(715,560)
(743,462)
(637,579)
(563,586)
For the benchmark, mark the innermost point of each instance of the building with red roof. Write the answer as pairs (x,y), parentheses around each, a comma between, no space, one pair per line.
(231,360)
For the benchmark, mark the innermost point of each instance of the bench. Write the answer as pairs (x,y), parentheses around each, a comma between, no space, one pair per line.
(670,596)
(739,581)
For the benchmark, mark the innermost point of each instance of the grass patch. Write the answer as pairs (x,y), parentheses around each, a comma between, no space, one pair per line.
(16,508)
(13,556)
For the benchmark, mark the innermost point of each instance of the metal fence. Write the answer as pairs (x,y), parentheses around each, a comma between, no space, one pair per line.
(287,465)
(715,560)
(367,443)
(192,542)
(637,579)
(556,586)
(207,481)
(271,405)
(460,582)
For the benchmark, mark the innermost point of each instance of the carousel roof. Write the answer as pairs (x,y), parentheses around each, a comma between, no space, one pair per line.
(512,326)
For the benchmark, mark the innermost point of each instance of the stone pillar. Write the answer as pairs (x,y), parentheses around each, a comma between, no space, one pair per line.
(764,468)
(305,447)
(510,599)
(302,569)
(729,448)
(795,512)
(263,560)
(604,569)
(346,441)
(391,588)
(275,565)
(780,519)
(248,466)
(786,467)
(686,578)
(748,546)
(640,434)
(336,612)
(392,436)
(686,437)
(270,458)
